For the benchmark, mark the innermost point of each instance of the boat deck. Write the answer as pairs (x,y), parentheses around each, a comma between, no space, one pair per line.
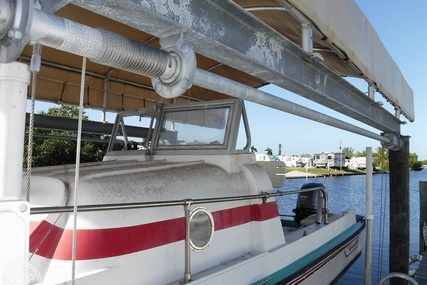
(421,273)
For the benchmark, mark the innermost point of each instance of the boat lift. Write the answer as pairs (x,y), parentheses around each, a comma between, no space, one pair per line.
(198,49)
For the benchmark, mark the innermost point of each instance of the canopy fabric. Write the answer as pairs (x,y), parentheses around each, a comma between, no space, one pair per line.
(348,28)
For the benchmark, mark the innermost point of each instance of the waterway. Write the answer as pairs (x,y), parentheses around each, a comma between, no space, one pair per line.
(348,192)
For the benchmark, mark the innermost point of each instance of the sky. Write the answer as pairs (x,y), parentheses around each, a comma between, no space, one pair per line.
(402,28)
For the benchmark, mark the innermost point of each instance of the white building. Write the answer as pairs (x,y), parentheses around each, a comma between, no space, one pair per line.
(358,162)
(291,160)
(329,160)
(264,157)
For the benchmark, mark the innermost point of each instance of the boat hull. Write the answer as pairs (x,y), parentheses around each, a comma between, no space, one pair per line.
(327,264)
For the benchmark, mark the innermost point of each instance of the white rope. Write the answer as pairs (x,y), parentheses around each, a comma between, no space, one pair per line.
(35,66)
(77,172)
(383,208)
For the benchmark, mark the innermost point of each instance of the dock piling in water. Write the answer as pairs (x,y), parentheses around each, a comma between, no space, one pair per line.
(399,211)
(423,214)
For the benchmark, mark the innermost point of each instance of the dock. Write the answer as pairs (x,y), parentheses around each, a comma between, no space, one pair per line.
(421,273)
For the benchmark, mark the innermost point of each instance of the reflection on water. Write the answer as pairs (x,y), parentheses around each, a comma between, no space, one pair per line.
(348,192)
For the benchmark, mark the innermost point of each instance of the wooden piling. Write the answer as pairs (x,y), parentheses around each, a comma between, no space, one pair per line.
(423,213)
(399,211)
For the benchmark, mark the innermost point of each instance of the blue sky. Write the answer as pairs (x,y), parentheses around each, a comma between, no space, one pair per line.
(402,28)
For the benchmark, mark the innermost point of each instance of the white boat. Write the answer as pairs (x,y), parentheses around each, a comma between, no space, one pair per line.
(136,204)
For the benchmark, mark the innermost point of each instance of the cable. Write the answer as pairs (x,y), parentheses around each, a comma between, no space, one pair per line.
(383,206)
(77,172)
(35,67)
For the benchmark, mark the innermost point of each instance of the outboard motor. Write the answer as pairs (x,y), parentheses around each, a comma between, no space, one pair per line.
(307,203)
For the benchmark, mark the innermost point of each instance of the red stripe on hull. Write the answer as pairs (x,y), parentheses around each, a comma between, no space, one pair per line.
(53,242)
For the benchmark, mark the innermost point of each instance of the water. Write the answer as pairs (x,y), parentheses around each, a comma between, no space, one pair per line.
(348,192)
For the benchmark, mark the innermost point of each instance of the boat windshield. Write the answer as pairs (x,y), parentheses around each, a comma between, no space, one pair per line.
(215,127)
(188,129)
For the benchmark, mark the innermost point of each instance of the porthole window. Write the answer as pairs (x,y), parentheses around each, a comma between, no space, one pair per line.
(202,228)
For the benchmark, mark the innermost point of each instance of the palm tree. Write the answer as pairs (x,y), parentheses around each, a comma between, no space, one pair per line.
(348,151)
(269,151)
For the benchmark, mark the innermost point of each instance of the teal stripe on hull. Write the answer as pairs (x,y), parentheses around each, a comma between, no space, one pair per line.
(290,272)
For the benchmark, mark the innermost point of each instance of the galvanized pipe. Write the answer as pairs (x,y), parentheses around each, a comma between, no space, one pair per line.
(369,218)
(301,18)
(307,38)
(371,91)
(232,88)
(104,99)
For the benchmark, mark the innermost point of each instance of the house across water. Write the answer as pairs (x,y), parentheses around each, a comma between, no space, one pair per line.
(329,160)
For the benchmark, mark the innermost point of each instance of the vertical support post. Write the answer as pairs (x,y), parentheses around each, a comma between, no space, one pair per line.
(320,205)
(371,91)
(307,38)
(399,211)
(14,214)
(423,214)
(104,100)
(187,274)
(369,218)
(14,80)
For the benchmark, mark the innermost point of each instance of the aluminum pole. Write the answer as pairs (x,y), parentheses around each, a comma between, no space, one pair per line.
(232,88)
(187,274)
(369,218)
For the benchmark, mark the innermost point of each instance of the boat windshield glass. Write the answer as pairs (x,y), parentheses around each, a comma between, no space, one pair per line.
(195,128)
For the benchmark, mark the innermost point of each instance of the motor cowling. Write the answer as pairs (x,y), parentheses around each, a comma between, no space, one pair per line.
(308,202)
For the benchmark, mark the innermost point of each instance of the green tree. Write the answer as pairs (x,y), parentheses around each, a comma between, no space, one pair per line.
(305,155)
(414,163)
(253,149)
(64,111)
(269,151)
(360,153)
(381,158)
(348,151)
(55,151)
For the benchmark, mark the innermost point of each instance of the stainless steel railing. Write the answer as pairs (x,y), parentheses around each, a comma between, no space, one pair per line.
(187,204)
(137,205)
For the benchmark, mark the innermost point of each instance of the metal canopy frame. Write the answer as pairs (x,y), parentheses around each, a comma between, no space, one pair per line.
(225,32)
(196,36)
